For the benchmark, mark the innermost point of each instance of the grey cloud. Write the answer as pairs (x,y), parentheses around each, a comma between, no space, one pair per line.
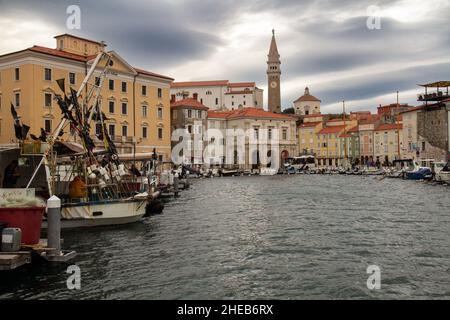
(160,35)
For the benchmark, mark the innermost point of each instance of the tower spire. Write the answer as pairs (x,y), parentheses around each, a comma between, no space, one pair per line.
(273,76)
(273,52)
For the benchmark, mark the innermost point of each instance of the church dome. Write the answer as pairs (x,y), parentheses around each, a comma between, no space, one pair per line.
(307,97)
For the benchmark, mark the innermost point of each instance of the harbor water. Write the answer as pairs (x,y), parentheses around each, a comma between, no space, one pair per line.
(280,237)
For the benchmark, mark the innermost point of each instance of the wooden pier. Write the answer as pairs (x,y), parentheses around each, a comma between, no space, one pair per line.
(13,260)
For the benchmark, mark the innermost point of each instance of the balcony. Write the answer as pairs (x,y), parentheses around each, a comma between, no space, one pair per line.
(435,96)
(441,91)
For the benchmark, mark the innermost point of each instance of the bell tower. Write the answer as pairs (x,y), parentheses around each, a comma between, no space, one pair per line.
(273,76)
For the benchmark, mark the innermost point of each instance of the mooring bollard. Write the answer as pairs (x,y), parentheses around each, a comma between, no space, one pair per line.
(54,224)
(176,180)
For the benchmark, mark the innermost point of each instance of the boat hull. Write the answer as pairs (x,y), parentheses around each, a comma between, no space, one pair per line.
(101,214)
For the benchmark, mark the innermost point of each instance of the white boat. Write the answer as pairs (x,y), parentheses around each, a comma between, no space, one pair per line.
(268,171)
(444,174)
(101,214)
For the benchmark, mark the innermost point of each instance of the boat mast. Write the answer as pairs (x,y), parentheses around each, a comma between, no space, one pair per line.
(61,125)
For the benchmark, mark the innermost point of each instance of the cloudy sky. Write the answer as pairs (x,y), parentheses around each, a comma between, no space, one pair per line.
(324,44)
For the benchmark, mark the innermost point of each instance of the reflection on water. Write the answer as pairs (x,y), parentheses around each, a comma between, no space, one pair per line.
(282,237)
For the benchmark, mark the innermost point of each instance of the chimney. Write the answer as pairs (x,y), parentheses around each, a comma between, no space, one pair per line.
(195,96)
(172,98)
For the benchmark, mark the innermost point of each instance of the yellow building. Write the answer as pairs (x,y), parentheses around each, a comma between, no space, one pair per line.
(308,134)
(137,102)
(330,144)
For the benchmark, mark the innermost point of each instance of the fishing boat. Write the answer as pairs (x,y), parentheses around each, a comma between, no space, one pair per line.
(95,186)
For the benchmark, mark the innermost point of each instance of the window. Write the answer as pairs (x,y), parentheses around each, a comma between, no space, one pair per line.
(160,113)
(160,133)
(124,86)
(189,113)
(144,111)
(48,125)
(111,84)
(48,100)
(423,146)
(217,101)
(201,101)
(112,130)
(124,131)
(17,99)
(72,78)
(284,134)
(124,108)
(159,93)
(256,133)
(144,90)
(269,134)
(245,103)
(111,107)
(199,114)
(97,81)
(189,128)
(144,132)
(48,74)
(17,74)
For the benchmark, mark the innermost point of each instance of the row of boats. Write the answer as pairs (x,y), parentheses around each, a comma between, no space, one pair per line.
(406,169)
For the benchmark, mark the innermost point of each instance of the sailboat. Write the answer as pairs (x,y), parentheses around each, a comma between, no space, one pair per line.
(94,185)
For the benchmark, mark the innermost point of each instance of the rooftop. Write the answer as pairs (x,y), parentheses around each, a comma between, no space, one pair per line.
(188,103)
(79,58)
(309,124)
(388,126)
(213,83)
(80,38)
(331,130)
(254,113)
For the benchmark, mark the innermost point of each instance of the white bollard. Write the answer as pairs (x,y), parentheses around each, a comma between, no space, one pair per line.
(54,224)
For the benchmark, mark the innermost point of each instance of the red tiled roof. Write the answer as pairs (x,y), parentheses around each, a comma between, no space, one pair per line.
(241,84)
(309,124)
(354,129)
(370,119)
(219,114)
(248,113)
(59,53)
(81,58)
(307,97)
(148,73)
(330,130)
(388,126)
(346,135)
(214,83)
(188,103)
(258,113)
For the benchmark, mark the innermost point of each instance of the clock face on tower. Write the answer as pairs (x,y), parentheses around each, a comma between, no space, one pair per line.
(273,84)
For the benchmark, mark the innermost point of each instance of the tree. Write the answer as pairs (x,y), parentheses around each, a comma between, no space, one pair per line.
(289,111)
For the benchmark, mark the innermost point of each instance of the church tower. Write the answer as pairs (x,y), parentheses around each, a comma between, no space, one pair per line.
(273,76)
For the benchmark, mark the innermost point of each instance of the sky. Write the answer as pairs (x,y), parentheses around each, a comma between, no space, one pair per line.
(331,46)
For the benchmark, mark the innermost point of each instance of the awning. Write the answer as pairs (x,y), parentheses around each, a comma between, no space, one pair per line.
(438,84)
